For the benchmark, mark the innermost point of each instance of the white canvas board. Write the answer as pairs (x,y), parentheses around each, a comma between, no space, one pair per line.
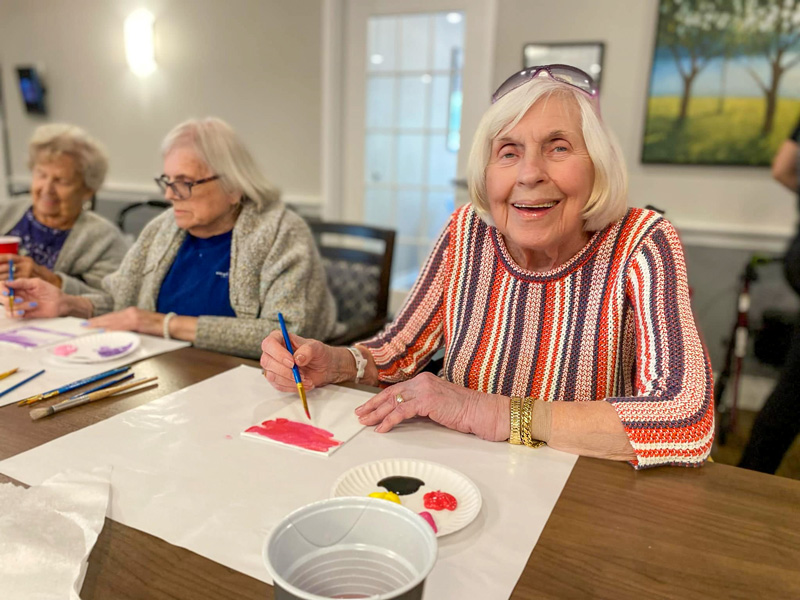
(59,372)
(182,472)
(332,422)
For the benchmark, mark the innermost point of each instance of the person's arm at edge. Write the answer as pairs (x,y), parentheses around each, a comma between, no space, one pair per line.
(784,165)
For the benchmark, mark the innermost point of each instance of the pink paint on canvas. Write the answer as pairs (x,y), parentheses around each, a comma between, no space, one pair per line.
(294,433)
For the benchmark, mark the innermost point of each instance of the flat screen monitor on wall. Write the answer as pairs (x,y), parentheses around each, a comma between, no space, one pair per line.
(32,90)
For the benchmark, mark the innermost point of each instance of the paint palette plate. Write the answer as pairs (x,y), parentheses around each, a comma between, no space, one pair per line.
(363,480)
(96,348)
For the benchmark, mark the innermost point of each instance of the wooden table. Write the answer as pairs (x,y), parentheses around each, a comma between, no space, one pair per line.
(714,532)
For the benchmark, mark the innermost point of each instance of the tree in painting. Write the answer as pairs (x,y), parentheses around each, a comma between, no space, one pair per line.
(772,32)
(694,34)
(723,88)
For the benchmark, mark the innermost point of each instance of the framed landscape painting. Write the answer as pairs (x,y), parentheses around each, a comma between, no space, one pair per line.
(725,81)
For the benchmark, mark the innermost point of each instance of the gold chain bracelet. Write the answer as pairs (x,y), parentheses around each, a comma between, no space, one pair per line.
(516,406)
(525,424)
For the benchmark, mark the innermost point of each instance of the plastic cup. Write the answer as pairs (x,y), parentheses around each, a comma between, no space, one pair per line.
(350,547)
(9,244)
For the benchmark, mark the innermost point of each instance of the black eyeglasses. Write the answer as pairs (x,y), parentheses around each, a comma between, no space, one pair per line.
(181,189)
(563,73)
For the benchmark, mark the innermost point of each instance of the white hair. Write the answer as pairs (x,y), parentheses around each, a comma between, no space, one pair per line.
(609,197)
(217,145)
(59,139)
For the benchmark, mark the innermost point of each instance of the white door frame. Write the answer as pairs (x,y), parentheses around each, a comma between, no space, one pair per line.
(334,56)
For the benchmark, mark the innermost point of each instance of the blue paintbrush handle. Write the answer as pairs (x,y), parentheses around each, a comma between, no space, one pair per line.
(295,370)
(11,278)
(23,382)
(102,386)
(91,379)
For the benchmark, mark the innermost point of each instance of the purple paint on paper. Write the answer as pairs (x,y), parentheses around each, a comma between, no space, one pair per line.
(20,340)
(37,336)
(107,351)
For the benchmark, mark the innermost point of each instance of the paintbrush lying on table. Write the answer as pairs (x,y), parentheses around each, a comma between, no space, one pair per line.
(38,413)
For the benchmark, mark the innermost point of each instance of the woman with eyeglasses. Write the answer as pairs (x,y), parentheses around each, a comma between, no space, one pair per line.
(563,314)
(59,240)
(214,270)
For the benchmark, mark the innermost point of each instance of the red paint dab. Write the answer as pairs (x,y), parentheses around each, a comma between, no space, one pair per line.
(440,501)
(302,435)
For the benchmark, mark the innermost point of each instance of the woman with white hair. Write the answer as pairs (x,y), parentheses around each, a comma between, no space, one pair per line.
(62,243)
(214,270)
(564,316)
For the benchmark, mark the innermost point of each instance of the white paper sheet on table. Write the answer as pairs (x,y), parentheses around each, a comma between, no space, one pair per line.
(182,473)
(57,372)
(48,531)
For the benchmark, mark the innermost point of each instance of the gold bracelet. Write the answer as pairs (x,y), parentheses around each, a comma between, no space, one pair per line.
(514,437)
(525,424)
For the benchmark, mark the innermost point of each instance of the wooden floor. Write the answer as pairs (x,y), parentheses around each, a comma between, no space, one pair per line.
(731,452)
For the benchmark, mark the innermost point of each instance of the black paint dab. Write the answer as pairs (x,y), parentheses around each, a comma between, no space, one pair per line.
(401,485)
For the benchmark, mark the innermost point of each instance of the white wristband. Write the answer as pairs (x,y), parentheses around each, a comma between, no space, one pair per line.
(165,325)
(361,362)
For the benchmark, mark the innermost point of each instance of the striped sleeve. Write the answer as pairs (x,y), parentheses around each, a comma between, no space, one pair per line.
(670,419)
(407,344)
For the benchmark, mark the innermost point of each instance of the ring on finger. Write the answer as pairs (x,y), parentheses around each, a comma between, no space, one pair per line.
(399,399)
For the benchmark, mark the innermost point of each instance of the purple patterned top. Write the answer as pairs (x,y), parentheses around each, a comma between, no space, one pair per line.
(42,243)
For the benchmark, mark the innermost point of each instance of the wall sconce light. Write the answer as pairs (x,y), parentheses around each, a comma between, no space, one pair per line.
(139,42)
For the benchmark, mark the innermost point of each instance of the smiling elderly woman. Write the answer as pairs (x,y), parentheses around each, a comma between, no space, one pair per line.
(217,268)
(62,243)
(564,316)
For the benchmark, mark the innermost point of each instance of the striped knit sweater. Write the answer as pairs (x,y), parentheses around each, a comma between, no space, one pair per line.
(613,323)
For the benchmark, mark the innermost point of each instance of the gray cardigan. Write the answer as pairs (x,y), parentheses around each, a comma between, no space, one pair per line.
(93,249)
(275,267)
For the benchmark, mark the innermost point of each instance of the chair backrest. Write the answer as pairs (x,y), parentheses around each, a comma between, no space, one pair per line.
(134,217)
(358,274)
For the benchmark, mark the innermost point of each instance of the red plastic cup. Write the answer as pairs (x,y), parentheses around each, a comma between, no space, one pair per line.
(9,244)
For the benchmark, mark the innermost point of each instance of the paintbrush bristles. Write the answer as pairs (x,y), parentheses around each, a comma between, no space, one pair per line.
(38,413)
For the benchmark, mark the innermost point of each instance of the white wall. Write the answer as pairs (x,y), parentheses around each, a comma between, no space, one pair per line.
(257,64)
(254,63)
(704,202)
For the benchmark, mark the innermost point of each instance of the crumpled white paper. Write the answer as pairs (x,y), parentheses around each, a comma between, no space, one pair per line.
(48,531)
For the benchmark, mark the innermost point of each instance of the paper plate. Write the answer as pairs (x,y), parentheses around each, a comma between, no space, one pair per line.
(363,480)
(100,347)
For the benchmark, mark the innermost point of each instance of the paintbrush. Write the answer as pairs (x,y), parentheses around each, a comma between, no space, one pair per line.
(102,386)
(72,386)
(38,413)
(7,373)
(297,379)
(11,290)
(23,382)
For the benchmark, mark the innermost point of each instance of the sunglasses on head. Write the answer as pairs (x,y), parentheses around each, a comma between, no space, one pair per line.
(563,73)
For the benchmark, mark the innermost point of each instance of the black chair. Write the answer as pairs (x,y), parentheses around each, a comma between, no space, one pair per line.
(134,217)
(358,275)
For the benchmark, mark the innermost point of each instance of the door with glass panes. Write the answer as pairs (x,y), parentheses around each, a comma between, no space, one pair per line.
(416,83)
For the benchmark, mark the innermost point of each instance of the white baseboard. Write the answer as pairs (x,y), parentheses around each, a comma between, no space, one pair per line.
(765,239)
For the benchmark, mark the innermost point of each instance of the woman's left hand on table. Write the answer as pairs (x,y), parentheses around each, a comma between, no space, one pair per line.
(130,319)
(455,407)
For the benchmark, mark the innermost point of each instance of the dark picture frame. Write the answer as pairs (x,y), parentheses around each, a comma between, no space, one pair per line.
(724,83)
(587,56)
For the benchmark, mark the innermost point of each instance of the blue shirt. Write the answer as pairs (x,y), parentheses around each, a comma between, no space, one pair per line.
(197,281)
(42,243)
